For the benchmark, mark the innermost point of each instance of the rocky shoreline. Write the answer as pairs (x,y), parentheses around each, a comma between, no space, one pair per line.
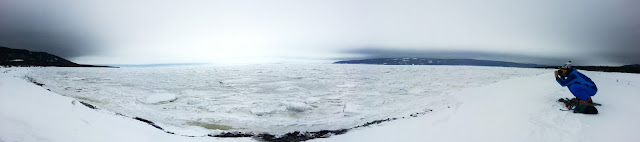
(287,137)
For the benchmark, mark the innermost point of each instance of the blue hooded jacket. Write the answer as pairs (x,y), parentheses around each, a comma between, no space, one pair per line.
(574,77)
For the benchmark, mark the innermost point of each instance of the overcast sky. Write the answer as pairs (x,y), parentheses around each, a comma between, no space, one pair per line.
(589,32)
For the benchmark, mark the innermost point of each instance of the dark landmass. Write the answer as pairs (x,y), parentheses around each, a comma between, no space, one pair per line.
(431,61)
(157,65)
(635,68)
(25,58)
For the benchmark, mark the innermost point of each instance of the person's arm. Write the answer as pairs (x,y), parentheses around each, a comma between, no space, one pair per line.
(564,82)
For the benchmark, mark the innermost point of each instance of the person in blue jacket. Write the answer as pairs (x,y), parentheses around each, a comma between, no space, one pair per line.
(581,86)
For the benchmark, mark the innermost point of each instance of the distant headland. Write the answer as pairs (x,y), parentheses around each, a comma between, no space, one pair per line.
(24,58)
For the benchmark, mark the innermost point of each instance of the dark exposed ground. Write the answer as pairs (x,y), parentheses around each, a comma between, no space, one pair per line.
(303,136)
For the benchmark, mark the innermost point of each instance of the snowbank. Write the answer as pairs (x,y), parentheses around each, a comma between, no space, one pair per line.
(29,113)
(520,110)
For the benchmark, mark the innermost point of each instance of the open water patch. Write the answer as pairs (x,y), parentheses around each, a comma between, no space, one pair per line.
(210,126)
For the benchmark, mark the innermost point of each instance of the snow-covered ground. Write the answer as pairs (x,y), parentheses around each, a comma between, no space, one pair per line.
(29,113)
(468,103)
(269,98)
(519,110)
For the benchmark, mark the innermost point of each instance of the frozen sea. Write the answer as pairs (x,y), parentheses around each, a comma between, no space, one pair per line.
(270,98)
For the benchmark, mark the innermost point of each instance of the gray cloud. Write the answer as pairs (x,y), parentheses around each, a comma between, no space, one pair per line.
(31,26)
(55,43)
(622,45)
(589,32)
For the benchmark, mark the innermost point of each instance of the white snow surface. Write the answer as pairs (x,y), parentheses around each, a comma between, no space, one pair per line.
(520,110)
(468,103)
(29,113)
(270,98)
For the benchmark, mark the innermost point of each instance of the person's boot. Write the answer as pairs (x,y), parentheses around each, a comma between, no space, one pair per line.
(569,104)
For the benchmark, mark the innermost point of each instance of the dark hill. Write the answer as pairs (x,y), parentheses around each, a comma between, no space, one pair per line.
(635,68)
(431,61)
(26,58)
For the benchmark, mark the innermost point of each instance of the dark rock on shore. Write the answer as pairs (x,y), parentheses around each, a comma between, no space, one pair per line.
(297,136)
(33,81)
(148,122)
(88,105)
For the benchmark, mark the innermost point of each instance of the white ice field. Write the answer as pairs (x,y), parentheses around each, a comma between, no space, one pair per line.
(200,100)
